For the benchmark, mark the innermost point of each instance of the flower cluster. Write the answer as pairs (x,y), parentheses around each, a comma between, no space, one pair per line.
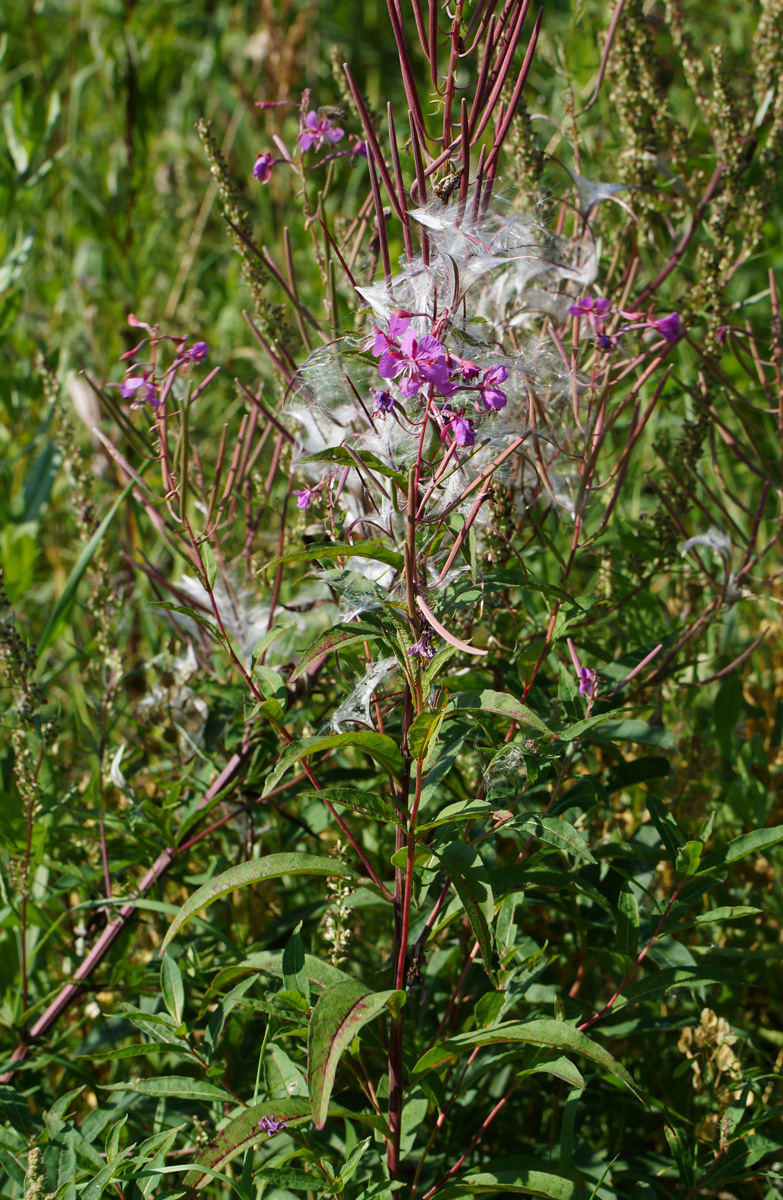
(596,309)
(421,364)
(141,384)
(316,130)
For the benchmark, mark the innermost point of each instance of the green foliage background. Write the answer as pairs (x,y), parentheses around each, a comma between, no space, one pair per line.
(105,193)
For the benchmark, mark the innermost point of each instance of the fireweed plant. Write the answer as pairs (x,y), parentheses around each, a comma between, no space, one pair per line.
(435,600)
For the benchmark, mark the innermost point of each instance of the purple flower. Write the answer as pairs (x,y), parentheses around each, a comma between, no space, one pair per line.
(305,497)
(463,431)
(381,343)
(670,327)
(469,370)
(586,676)
(262,169)
(358,148)
(604,342)
(384,401)
(589,306)
(269,1124)
(318,130)
(424,647)
(197,352)
(140,389)
(491,396)
(418,361)
(588,680)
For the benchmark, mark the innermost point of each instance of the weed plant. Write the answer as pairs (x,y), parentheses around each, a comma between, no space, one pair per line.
(390,779)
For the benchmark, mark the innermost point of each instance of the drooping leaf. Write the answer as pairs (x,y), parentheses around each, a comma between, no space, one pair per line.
(338,1016)
(271,867)
(378,745)
(537,1033)
(471,883)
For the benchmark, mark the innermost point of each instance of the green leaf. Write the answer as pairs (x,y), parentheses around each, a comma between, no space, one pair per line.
(271,636)
(244,1132)
(730,912)
(294,973)
(639,732)
(536,1033)
(750,843)
(63,605)
(210,564)
(338,454)
(521,1181)
(555,832)
(172,988)
(339,637)
(378,551)
(501,704)
(338,1016)
(293,1179)
(471,883)
(423,731)
(688,858)
(627,922)
(683,1156)
(377,745)
(368,803)
(180,1086)
(462,810)
(561,1068)
(271,867)
(659,982)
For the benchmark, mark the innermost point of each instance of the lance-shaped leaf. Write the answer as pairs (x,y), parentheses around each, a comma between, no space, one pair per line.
(535,1033)
(181,1086)
(379,551)
(555,832)
(520,1181)
(378,745)
(471,883)
(338,1016)
(370,804)
(245,1131)
(339,637)
(500,703)
(461,810)
(271,867)
(341,456)
(749,843)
